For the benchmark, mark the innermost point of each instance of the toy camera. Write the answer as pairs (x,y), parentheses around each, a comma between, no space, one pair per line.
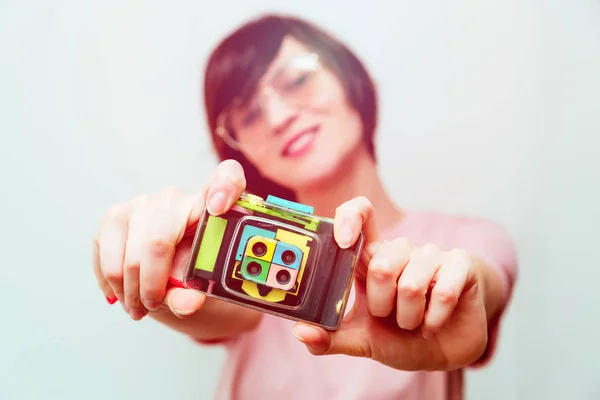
(274,256)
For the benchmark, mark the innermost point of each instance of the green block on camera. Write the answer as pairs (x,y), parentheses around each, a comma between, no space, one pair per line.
(211,243)
(253,272)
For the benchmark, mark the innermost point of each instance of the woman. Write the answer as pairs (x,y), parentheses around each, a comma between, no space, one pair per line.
(292,112)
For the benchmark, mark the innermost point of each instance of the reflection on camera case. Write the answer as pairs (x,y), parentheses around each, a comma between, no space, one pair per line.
(276,257)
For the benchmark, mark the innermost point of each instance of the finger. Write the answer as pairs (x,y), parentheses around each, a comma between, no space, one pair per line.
(102,283)
(350,340)
(132,262)
(164,225)
(382,275)
(451,279)
(226,187)
(350,219)
(184,303)
(196,206)
(131,283)
(413,285)
(180,260)
(111,244)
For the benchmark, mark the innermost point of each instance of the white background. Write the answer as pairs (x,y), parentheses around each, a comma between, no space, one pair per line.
(488,108)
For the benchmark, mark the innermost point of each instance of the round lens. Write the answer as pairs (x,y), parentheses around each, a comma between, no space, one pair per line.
(259,249)
(254,268)
(283,277)
(288,257)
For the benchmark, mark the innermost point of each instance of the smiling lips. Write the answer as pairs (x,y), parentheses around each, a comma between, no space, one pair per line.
(300,143)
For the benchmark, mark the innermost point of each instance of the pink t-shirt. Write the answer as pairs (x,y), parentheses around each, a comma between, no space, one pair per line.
(270,363)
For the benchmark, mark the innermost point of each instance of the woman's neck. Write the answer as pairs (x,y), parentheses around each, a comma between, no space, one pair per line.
(357,177)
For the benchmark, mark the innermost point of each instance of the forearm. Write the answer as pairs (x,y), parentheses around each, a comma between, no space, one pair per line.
(215,320)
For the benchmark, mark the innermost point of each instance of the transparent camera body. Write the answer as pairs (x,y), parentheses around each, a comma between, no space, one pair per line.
(276,257)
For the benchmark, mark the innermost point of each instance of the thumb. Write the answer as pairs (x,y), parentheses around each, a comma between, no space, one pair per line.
(351,340)
(350,219)
(184,303)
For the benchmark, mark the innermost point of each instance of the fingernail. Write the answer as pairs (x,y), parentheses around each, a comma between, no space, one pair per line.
(216,203)
(300,332)
(306,333)
(345,237)
(111,300)
(311,338)
(184,312)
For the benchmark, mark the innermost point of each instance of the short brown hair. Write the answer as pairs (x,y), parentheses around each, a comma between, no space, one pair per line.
(241,59)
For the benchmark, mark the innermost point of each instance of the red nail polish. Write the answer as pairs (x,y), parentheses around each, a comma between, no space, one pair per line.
(112,300)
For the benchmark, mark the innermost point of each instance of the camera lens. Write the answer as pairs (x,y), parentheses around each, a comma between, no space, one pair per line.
(283,277)
(288,257)
(254,268)
(259,249)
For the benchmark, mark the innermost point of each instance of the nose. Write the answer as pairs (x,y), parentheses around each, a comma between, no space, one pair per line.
(279,114)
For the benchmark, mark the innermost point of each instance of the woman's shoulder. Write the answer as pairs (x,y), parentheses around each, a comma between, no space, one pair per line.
(421,220)
(483,237)
(448,230)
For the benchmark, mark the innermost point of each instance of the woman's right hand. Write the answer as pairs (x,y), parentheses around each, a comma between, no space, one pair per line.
(143,242)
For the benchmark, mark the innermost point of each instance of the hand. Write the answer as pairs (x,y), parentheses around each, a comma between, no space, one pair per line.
(143,242)
(415,308)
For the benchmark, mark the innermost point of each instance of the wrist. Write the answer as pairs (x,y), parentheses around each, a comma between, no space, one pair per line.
(490,286)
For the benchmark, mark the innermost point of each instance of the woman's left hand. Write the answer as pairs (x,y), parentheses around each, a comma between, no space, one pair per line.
(416,308)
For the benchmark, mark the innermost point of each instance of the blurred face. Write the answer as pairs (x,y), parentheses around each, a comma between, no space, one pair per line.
(298,127)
